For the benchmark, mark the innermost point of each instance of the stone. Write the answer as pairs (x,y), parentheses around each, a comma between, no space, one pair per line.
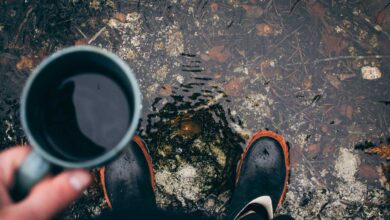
(371,72)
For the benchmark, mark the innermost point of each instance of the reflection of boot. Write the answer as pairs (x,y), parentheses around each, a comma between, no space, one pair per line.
(262,177)
(128,182)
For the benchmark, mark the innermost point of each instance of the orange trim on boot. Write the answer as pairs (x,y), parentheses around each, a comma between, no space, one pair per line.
(145,152)
(103,182)
(282,142)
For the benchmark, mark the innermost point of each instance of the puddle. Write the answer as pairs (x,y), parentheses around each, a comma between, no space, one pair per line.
(194,150)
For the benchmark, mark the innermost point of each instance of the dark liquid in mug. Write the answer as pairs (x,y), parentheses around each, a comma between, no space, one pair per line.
(87,115)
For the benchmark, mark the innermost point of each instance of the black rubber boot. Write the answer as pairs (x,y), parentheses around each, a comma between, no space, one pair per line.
(128,182)
(262,177)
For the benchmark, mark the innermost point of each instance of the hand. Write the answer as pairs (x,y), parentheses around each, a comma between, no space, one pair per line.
(47,198)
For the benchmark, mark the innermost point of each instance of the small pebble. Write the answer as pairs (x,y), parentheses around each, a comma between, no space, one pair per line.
(371,73)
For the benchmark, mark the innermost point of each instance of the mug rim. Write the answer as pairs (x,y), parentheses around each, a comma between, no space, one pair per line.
(126,137)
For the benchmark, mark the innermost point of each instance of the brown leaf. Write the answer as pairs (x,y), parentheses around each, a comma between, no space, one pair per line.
(25,62)
(347,111)
(328,149)
(317,10)
(214,7)
(120,17)
(217,75)
(313,150)
(204,57)
(253,10)
(333,44)
(382,150)
(166,90)
(233,87)
(307,84)
(219,53)
(324,129)
(367,171)
(264,29)
(268,69)
(81,41)
(334,81)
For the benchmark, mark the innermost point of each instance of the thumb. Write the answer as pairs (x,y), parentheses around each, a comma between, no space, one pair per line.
(52,195)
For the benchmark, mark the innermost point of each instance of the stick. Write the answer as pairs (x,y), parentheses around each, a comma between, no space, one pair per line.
(82,33)
(96,35)
(13,44)
(316,61)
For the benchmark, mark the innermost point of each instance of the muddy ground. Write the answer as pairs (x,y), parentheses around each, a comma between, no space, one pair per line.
(214,72)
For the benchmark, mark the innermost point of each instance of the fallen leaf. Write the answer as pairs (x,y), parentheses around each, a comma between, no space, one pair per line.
(383,19)
(382,150)
(344,76)
(120,17)
(313,150)
(269,69)
(233,87)
(333,44)
(204,57)
(316,9)
(334,81)
(347,111)
(367,171)
(328,149)
(307,84)
(166,90)
(219,53)
(217,75)
(25,62)
(324,129)
(81,41)
(214,7)
(264,29)
(253,10)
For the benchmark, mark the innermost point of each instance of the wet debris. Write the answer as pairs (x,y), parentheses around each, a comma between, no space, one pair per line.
(253,11)
(233,87)
(264,30)
(214,7)
(25,62)
(368,171)
(82,41)
(382,150)
(219,53)
(371,72)
(166,90)
(120,17)
(317,9)
(333,43)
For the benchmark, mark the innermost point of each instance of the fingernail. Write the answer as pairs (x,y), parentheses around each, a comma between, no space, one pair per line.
(79,180)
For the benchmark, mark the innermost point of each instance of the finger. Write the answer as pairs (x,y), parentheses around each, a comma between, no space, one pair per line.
(10,161)
(54,194)
(5,200)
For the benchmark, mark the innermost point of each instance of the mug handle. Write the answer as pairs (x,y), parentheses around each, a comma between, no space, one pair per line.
(33,169)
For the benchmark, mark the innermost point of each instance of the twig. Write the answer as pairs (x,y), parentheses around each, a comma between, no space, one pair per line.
(294,5)
(316,61)
(269,5)
(96,35)
(82,33)
(301,56)
(287,36)
(13,44)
